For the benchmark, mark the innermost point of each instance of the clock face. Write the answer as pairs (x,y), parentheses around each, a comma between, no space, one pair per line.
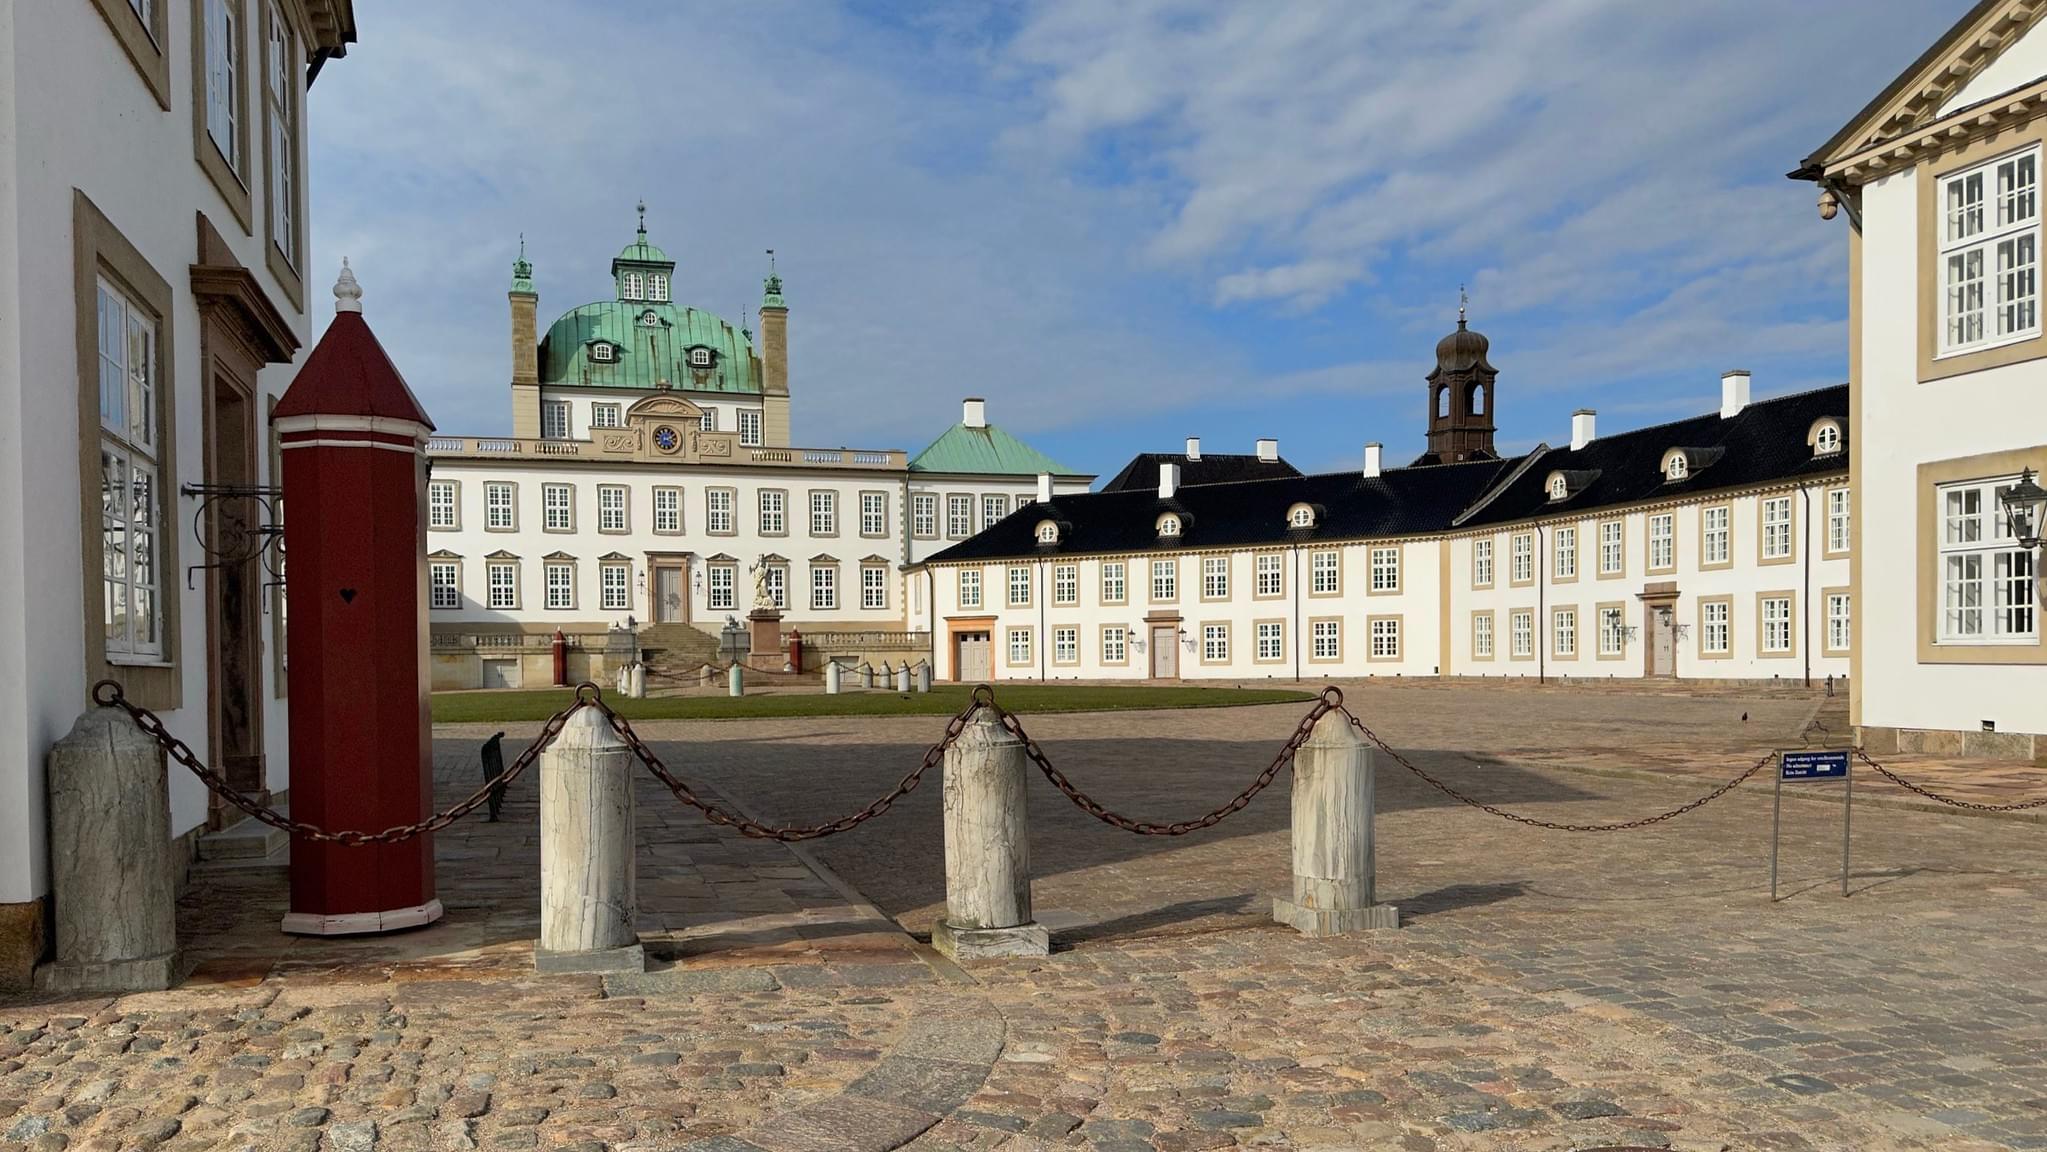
(666,438)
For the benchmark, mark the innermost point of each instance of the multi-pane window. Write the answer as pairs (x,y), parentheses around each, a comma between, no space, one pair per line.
(1270,575)
(824,513)
(1271,640)
(499,508)
(1989,248)
(1662,541)
(970,587)
(1777,528)
(1019,645)
(1987,589)
(1385,638)
(874,513)
(1613,633)
(1713,535)
(611,516)
(280,80)
(561,583)
(1521,633)
(1115,644)
(667,510)
(1066,584)
(1610,560)
(606,416)
(1324,575)
(873,586)
(993,508)
(1839,521)
(1482,562)
(1066,645)
(1713,627)
(1776,624)
(223,54)
(603,352)
(824,587)
(440,505)
(1019,586)
(1215,577)
(778,585)
(959,517)
(634,286)
(924,516)
(721,583)
(554,419)
(657,286)
(557,507)
(1566,552)
(718,510)
(1385,569)
(1328,638)
(614,587)
(750,427)
(1114,588)
(1522,560)
(1564,632)
(1165,580)
(1482,636)
(708,422)
(1215,643)
(1840,609)
(445,579)
(774,512)
(503,578)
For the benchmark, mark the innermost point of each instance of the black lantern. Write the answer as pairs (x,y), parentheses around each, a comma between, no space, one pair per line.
(2023,503)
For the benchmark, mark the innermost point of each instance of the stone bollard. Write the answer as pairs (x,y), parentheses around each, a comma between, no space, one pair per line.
(1332,833)
(586,851)
(831,677)
(866,675)
(924,676)
(638,685)
(903,677)
(987,848)
(735,680)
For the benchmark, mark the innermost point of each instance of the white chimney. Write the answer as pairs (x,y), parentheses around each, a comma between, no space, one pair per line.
(1268,449)
(1193,447)
(1169,480)
(974,413)
(1372,468)
(1581,428)
(1733,392)
(1044,487)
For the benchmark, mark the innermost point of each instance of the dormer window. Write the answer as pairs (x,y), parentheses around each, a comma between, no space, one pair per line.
(1048,532)
(1826,440)
(603,352)
(1169,525)
(1676,467)
(700,357)
(631,287)
(657,288)
(1300,516)
(1558,487)
(648,319)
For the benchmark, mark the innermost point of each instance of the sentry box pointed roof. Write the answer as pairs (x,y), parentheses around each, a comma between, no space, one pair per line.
(348,372)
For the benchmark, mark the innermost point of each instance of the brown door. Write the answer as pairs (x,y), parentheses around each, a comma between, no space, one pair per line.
(670,606)
(1165,652)
(234,586)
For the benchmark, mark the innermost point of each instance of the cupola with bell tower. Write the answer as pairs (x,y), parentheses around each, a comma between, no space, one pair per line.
(1461,396)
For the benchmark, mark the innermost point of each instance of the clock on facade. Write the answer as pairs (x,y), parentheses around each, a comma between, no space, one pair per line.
(667,439)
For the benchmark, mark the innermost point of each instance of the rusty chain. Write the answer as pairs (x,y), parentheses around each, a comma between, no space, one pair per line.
(1930,794)
(1330,700)
(108,693)
(983,697)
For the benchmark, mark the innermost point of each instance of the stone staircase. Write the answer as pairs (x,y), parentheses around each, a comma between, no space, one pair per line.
(673,650)
(247,844)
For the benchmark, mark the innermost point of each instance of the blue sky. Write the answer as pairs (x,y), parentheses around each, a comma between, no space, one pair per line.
(1123,224)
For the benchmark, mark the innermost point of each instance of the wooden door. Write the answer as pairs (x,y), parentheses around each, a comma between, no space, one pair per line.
(1662,643)
(234,584)
(1165,652)
(973,658)
(669,605)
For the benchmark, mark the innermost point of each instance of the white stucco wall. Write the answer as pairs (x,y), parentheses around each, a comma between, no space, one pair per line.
(2019,65)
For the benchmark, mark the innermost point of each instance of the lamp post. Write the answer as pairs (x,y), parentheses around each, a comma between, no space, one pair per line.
(2023,503)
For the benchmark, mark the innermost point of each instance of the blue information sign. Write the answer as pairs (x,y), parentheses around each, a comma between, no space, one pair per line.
(1812,765)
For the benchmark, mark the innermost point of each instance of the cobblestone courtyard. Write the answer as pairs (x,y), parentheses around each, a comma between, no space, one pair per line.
(1548,990)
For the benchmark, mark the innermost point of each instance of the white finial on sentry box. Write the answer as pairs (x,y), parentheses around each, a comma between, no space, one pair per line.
(347,293)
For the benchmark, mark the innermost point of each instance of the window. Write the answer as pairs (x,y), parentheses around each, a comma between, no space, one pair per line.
(700,357)
(1840,633)
(503,578)
(668,511)
(1048,532)
(824,587)
(611,508)
(774,517)
(750,427)
(873,586)
(606,416)
(718,510)
(1713,533)
(1559,487)
(634,288)
(500,510)
(778,585)
(1662,542)
(1270,575)
(1839,530)
(1215,643)
(1115,644)
(561,583)
(1065,645)
(924,516)
(1566,553)
(1169,525)
(441,506)
(1165,580)
(959,517)
(554,420)
(721,584)
(1989,249)
(1271,637)
(1827,440)
(1613,635)
(1482,636)
(1114,589)
(224,79)
(874,513)
(1066,584)
(1019,587)
(602,352)
(1775,614)
(1019,646)
(1385,638)
(993,509)
(557,507)
(1777,528)
(1677,467)
(445,577)
(1714,637)
(1987,590)
(970,587)
(280,84)
(708,422)
(657,286)
(1328,639)
(614,587)
(1522,560)
(1215,577)
(1385,569)
(1482,563)
(1325,578)
(1300,516)
(1521,633)
(1564,633)
(1611,560)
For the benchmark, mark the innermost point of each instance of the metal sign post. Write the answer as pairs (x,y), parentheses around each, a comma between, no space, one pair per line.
(1801,766)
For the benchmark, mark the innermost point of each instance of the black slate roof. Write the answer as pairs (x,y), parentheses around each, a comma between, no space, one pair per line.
(1213,468)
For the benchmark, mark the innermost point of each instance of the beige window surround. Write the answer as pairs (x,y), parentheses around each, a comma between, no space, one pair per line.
(1827,595)
(1262,627)
(1931,477)
(1492,633)
(1336,623)
(1599,614)
(1928,174)
(1705,563)
(230,179)
(1699,629)
(1373,631)
(1790,501)
(143,43)
(1790,597)
(278,254)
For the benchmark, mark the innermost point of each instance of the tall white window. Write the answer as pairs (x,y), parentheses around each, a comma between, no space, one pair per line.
(1114,588)
(499,508)
(1385,569)
(611,514)
(721,581)
(1611,561)
(223,51)
(1521,633)
(130,499)
(1066,645)
(503,578)
(1165,580)
(1612,632)
(1066,584)
(923,516)
(1839,522)
(668,510)
(1482,562)
(1215,643)
(440,504)
(959,517)
(561,584)
(1328,636)
(633,288)
(970,588)
(657,287)
(718,510)
(750,427)
(1385,638)
(873,586)
(708,422)
(824,587)
(1019,586)
(614,587)
(1565,549)
(1271,575)
(1482,636)
(1564,632)
(1987,590)
(874,513)
(557,507)
(1840,610)
(1019,645)
(1776,527)
(1713,627)
(1523,558)
(1271,637)
(1215,577)
(778,585)
(1326,577)
(280,81)
(824,513)
(1115,644)
(1713,535)
(993,508)
(1662,541)
(606,416)
(1990,251)
(554,420)
(445,577)
(774,517)
(1776,624)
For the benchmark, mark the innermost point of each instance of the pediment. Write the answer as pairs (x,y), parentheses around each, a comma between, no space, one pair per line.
(664,408)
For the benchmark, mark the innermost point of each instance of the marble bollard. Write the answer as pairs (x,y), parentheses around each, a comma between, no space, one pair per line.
(112,880)
(867,675)
(831,677)
(735,680)
(1332,834)
(586,851)
(924,676)
(903,677)
(987,848)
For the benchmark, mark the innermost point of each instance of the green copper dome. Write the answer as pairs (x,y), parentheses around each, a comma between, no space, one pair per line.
(645,344)
(641,252)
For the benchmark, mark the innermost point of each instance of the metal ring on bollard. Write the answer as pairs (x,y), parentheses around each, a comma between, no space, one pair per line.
(107,693)
(983,694)
(1332,696)
(596,695)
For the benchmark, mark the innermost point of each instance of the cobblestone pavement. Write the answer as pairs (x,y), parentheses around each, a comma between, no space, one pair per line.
(1549,991)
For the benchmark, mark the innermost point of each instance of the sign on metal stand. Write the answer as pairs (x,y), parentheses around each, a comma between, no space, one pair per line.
(1801,767)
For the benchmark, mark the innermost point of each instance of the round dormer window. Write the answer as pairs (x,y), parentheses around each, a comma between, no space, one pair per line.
(1300,516)
(648,319)
(1558,487)
(1827,440)
(1677,467)
(1048,532)
(1169,525)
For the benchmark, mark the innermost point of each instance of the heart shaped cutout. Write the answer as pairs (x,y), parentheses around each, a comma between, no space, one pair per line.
(348,595)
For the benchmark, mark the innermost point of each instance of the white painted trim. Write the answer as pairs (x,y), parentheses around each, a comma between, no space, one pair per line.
(409,450)
(358,923)
(325,422)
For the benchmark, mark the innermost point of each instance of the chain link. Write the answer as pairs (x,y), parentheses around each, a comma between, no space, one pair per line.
(1331,700)
(108,692)
(1930,794)
(1552,825)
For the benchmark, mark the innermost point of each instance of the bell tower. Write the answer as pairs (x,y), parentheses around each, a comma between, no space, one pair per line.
(1461,395)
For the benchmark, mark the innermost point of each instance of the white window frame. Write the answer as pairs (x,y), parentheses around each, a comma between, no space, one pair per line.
(772,506)
(778,586)
(718,514)
(1612,548)
(749,427)
(1215,577)
(1215,643)
(1776,527)
(558,507)
(824,587)
(708,421)
(1521,558)
(970,588)
(924,516)
(1716,627)
(1019,646)
(1115,582)
(1482,636)
(1988,591)
(1563,623)
(444,578)
(1066,644)
(1328,639)
(1662,541)
(1989,253)
(667,510)
(632,287)
(874,514)
(1385,638)
(657,287)
(1066,584)
(558,577)
(224,80)
(502,579)
(1840,521)
(500,506)
(1270,575)
(1716,529)
(1521,633)
(614,586)
(1018,585)
(279,88)
(1773,617)
(1325,572)
(873,587)
(721,587)
(554,420)
(1385,568)
(1270,638)
(1613,635)
(1840,621)
(1165,580)
(1826,440)
(993,508)
(443,505)
(1564,551)
(959,516)
(612,504)
(607,416)
(1115,644)
(1482,562)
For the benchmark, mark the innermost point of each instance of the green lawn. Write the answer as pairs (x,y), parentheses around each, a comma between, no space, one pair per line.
(943,700)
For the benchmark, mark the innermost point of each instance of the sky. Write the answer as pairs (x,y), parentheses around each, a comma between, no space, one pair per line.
(1128,223)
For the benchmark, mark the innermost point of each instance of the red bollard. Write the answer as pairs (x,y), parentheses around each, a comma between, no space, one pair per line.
(795,650)
(561,659)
